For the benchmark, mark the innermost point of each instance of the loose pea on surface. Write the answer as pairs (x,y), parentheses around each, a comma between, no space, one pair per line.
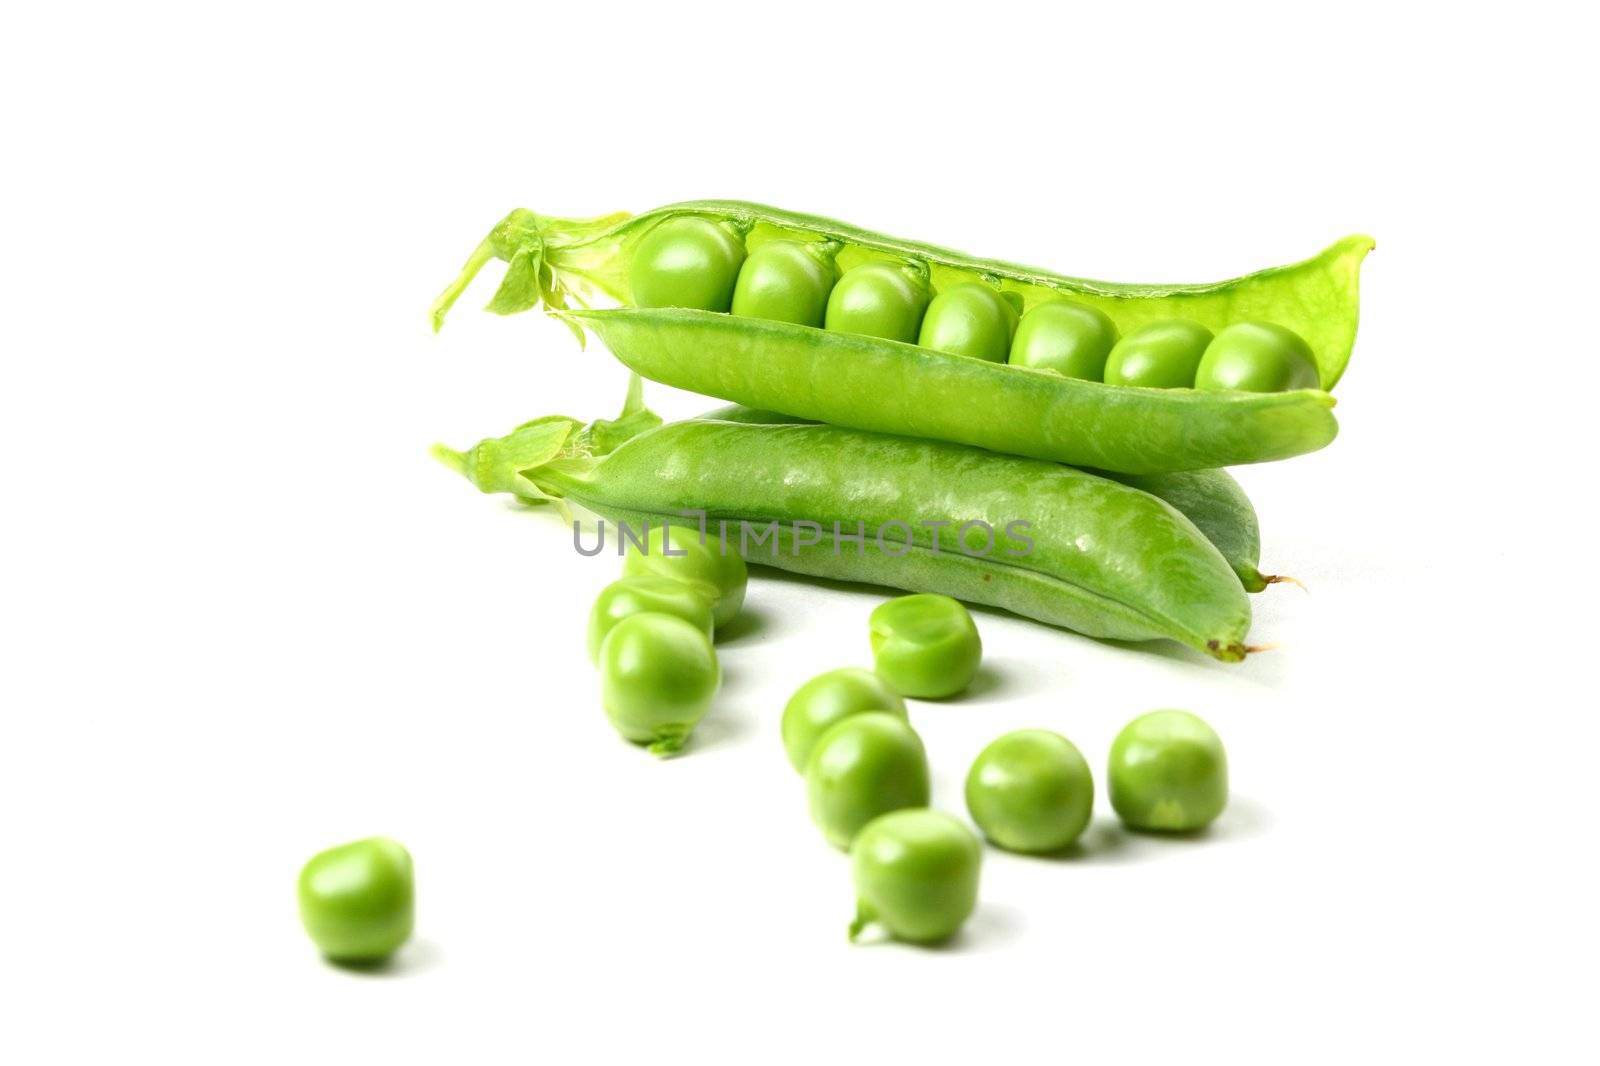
(969,319)
(1071,338)
(925,645)
(827,699)
(686,262)
(1031,791)
(678,553)
(1168,773)
(1257,357)
(787,281)
(878,300)
(658,674)
(358,900)
(1161,355)
(865,765)
(916,874)
(646,592)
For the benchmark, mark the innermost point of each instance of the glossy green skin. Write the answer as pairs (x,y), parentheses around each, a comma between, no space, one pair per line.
(1219,508)
(910,391)
(1105,559)
(865,765)
(925,645)
(1162,355)
(647,592)
(1071,338)
(721,577)
(1168,773)
(970,319)
(658,675)
(916,874)
(1257,357)
(1031,791)
(829,698)
(358,900)
(874,384)
(1211,499)
(883,300)
(686,262)
(786,281)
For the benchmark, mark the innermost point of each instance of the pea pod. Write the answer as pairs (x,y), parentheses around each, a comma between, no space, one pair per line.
(890,386)
(1090,554)
(1211,499)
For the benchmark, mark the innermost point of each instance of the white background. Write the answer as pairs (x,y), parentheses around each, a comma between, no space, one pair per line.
(246,617)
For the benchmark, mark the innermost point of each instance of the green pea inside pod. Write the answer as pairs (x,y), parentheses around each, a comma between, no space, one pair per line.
(679,553)
(1031,791)
(826,699)
(970,319)
(1168,773)
(1161,355)
(647,592)
(925,645)
(787,281)
(658,674)
(1071,338)
(879,299)
(1257,357)
(864,765)
(358,900)
(686,262)
(916,875)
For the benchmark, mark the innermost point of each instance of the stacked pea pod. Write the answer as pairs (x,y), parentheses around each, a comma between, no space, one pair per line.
(880,380)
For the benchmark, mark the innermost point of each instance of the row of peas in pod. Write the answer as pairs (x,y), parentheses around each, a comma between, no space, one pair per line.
(698,263)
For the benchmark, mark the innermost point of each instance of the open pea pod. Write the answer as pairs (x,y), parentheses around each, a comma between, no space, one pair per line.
(895,387)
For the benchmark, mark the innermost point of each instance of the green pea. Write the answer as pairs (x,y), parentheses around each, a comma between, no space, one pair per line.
(925,645)
(829,698)
(969,319)
(657,676)
(358,900)
(1168,772)
(686,262)
(916,874)
(787,281)
(878,300)
(1162,355)
(1257,357)
(678,553)
(646,592)
(865,765)
(1070,338)
(1031,791)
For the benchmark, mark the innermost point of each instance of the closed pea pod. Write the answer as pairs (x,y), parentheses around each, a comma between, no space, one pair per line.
(916,874)
(1071,338)
(969,319)
(787,281)
(827,699)
(863,766)
(1072,549)
(862,373)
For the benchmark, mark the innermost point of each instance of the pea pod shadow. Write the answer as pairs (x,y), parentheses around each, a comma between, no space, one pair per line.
(1108,841)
